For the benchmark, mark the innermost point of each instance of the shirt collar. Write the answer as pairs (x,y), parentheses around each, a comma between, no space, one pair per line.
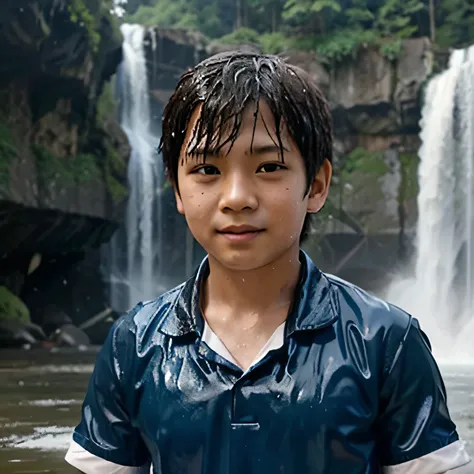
(314,306)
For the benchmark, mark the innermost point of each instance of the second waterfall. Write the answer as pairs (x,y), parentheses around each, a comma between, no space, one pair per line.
(441,294)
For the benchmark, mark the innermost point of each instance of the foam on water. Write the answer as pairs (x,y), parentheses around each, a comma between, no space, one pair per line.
(51,438)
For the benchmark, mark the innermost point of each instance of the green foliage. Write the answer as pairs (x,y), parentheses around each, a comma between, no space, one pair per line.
(341,44)
(79,13)
(270,43)
(391,48)
(274,43)
(358,15)
(164,13)
(8,152)
(296,8)
(12,308)
(51,168)
(107,104)
(395,18)
(408,188)
(115,166)
(202,15)
(86,169)
(365,162)
(457,27)
(336,29)
(77,170)
(131,6)
(241,36)
(117,190)
(320,5)
(83,169)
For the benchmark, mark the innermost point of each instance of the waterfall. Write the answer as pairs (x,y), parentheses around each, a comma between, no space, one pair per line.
(440,294)
(137,248)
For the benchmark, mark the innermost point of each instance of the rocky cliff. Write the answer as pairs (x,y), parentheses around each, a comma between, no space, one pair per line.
(368,225)
(63,158)
(376,107)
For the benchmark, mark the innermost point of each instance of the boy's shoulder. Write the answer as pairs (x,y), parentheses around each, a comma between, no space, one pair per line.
(382,325)
(144,320)
(354,303)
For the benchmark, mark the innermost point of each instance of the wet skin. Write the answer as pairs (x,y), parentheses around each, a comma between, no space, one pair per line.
(246,206)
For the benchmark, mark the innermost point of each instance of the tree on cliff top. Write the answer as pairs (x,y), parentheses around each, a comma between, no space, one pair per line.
(334,28)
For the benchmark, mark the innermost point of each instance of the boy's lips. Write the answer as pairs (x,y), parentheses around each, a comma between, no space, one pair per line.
(240,233)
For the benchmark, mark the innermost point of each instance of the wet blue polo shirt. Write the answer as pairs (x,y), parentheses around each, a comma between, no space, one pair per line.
(353,389)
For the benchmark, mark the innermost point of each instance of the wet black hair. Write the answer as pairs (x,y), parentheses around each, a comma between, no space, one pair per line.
(224,85)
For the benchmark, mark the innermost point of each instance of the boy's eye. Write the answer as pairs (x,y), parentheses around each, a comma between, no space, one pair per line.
(270,168)
(207,170)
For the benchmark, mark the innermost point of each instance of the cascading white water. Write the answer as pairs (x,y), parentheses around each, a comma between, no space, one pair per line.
(440,294)
(152,251)
(136,278)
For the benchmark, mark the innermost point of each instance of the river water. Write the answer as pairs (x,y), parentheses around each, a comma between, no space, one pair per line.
(41,395)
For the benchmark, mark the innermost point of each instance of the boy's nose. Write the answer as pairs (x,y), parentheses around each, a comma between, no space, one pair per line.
(238,193)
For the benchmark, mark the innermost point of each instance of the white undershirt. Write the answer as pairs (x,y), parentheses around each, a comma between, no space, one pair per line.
(437,462)
(276,341)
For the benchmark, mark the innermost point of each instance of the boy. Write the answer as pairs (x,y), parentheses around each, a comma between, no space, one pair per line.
(260,363)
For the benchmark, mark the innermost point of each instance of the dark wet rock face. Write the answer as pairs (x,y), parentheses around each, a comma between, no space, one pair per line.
(55,154)
(63,156)
(69,335)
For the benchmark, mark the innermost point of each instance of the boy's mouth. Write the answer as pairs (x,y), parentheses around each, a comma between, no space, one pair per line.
(240,233)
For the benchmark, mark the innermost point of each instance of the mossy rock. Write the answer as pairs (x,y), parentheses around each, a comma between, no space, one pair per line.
(12,308)
(8,153)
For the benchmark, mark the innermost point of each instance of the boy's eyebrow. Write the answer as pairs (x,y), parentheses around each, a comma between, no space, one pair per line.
(262,149)
(253,150)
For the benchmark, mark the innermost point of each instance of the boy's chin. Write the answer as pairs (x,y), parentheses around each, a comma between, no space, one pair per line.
(242,261)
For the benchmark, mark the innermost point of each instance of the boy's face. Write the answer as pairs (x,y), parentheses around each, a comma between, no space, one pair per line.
(247,208)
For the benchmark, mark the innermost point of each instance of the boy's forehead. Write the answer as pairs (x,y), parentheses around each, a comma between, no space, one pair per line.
(260,121)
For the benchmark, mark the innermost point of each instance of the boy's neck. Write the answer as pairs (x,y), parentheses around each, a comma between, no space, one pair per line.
(241,293)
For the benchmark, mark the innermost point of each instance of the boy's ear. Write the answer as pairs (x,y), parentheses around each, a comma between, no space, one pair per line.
(319,190)
(179,202)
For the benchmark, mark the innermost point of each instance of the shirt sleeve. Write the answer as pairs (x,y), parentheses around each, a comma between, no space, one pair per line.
(106,429)
(415,433)
(87,462)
